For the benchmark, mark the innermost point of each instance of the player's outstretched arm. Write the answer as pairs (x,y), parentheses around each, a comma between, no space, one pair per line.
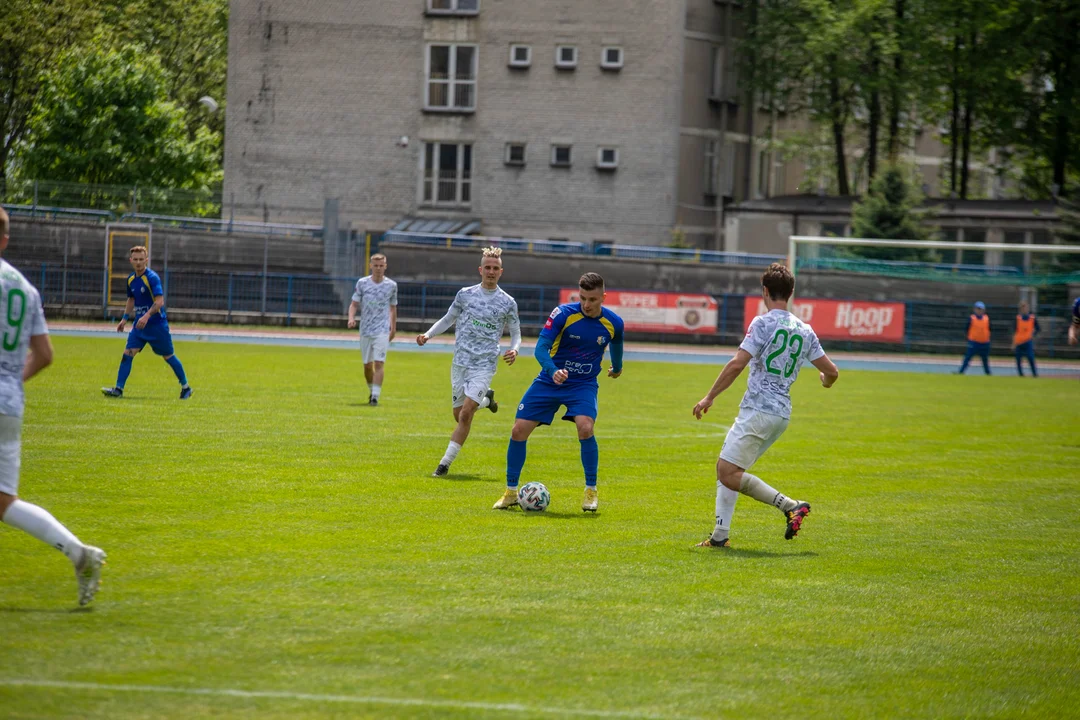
(829,371)
(128,309)
(514,323)
(542,353)
(444,323)
(616,350)
(732,370)
(353,306)
(40,357)
(393,321)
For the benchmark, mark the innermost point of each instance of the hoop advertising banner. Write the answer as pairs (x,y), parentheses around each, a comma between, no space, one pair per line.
(658,312)
(842,319)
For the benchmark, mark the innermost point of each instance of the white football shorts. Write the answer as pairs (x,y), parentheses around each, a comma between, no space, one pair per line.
(10,453)
(753,433)
(466,382)
(373,348)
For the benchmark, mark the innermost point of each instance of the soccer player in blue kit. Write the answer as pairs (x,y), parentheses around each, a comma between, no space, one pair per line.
(146,300)
(570,349)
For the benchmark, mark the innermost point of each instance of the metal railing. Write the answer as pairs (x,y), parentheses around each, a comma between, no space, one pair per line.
(477,241)
(688,254)
(935,327)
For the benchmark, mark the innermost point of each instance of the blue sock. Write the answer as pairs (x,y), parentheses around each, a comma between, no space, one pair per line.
(590,460)
(174,363)
(125,370)
(515,460)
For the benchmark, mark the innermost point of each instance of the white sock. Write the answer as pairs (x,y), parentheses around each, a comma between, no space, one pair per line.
(38,522)
(725,509)
(758,489)
(485,402)
(375,390)
(451,453)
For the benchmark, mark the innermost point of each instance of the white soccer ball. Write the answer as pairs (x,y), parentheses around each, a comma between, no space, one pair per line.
(534,497)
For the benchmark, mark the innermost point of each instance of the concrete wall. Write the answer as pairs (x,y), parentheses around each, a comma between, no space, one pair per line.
(320,92)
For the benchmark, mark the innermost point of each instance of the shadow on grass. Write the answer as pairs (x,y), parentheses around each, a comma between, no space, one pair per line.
(49,611)
(751,553)
(551,515)
(471,478)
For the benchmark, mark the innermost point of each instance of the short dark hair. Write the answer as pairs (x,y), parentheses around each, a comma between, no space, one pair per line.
(591,281)
(778,281)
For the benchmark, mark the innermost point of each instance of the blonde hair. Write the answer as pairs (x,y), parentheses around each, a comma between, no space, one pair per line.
(495,252)
(377,256)
(138,248)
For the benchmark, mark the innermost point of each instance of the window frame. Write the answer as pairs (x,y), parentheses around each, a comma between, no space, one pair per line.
(451,82)
(508,160)
(462,185)
(605,64)
(601,164)
(520,64)
(455,9)
(561,64)
(555,147)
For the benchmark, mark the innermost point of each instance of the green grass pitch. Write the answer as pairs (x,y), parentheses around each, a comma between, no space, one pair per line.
(274,535)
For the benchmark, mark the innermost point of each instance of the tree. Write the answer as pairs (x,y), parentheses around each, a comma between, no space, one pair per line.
(890,211)
(104,118)
(33,33)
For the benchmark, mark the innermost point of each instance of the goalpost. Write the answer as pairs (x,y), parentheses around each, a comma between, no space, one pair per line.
(916,295)
(119,239)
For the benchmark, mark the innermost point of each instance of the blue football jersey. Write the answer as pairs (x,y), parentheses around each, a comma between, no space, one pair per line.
(143,289)
(578,342)
(1076,312)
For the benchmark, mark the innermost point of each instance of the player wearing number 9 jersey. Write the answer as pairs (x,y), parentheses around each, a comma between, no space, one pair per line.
(25,350)
(776,346)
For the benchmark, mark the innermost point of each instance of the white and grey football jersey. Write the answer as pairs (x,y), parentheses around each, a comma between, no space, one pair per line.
(780,343)
(481,317)
(375,301)
(21,316)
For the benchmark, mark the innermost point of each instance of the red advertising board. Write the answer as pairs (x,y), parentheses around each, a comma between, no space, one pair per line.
(659,312)
(842,319)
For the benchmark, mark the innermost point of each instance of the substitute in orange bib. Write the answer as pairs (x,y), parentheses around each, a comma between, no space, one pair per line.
(978,337)
(1027,327)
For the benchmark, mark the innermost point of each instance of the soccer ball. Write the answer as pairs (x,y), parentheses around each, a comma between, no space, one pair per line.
(534,497)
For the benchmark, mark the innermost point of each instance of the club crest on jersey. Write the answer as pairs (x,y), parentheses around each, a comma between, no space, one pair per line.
(600,340)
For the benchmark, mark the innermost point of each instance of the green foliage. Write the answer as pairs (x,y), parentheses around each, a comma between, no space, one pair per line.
(890,211)
(33,34)
(105,118)
(275,534)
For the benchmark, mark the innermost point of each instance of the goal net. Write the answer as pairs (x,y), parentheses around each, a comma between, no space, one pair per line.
(917,296)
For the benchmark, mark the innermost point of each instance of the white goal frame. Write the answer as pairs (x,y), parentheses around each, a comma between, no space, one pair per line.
(795,240)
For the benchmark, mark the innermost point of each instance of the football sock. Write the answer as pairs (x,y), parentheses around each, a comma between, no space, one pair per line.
(485,402)
(375,390)
(38,522)
(515,460)
(174,363)
(725,509)
(451,453)
(590,460)
(758,489)
(125,370)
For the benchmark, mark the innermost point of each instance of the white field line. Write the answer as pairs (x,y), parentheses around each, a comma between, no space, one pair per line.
(510,708)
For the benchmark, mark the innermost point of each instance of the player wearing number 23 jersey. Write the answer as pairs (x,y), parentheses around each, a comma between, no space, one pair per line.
(776,346)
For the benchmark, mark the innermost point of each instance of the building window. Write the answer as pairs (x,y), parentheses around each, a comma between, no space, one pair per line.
(453,7)
(515,153)
(712,171)
(451,78)
(561,155)
(447,176)
(607,158)
(520,56)
(611,58)
(566,57)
